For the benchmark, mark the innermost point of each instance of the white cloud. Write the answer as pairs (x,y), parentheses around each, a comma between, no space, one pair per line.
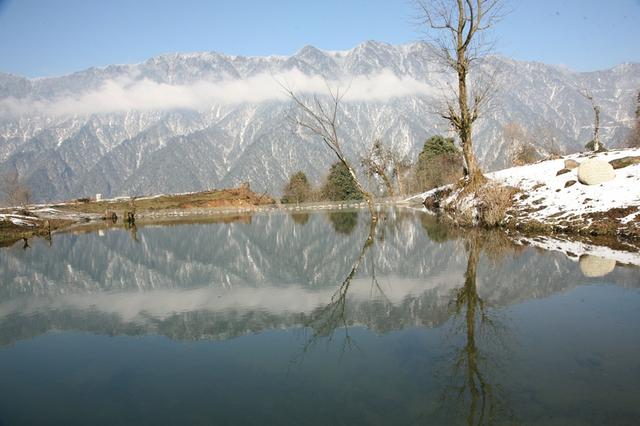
(127,94)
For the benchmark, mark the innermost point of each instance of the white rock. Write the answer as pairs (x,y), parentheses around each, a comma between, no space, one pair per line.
(594,266)
(594,172)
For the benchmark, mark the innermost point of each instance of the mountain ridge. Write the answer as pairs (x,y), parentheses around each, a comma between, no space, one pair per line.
(104,129)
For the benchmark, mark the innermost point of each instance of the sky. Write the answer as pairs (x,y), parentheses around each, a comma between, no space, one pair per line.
(54,37)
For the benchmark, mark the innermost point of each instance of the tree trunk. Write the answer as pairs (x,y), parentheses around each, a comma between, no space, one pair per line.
(366,193)
(465,129)
(401,188)
(388,184)
(596,130)
(471,169)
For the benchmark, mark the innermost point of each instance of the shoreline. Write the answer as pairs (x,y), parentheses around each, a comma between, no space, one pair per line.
(547,198)
(605,249)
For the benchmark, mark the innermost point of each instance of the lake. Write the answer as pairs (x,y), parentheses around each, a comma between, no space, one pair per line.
(313,319)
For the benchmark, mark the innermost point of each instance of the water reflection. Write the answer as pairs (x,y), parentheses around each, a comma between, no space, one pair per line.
(386,276)
(343,222)
(325,320)
(421,316)
(473,390)
(300,218)
(470,388)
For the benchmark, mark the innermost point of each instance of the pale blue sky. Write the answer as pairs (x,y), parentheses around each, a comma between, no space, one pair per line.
(54,37)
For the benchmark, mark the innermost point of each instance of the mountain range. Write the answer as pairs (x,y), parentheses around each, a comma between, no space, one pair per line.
(186,122)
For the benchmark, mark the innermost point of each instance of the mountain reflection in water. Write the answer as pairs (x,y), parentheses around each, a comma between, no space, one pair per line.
(316,318)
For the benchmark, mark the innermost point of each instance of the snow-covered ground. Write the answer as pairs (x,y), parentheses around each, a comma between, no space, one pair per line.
(548,199)
(19,220)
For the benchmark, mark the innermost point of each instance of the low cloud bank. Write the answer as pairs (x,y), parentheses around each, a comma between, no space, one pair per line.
(126,94)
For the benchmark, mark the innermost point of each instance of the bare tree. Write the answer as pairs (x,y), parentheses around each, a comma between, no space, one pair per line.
(320,118)
(15,190)
(386,163)
(633,140)
(522,148)
(596,125)
(456,27)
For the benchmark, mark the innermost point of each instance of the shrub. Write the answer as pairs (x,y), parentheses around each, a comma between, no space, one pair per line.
(525,154)
(590,146)
(494,201)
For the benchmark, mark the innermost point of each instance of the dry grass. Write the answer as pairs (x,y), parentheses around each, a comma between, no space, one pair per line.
(493,202)
(237,197)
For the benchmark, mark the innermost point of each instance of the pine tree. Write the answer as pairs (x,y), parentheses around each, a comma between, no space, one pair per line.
(439,163)
(340,185)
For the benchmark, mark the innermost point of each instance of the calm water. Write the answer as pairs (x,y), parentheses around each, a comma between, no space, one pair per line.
(313,319)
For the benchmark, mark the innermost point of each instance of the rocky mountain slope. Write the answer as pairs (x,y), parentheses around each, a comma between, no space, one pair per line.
(186,122)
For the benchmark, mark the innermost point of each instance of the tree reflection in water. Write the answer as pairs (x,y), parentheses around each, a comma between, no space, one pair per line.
(343,222)
(326,320)
(471,390)
(470,387)
(300,218)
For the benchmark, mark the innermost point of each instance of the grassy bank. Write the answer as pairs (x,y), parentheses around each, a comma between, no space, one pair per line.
(41,220)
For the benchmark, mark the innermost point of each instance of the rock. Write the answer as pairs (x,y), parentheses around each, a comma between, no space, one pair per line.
(624,162)
(562,171)
(594,266)
(569,183)
(432,202)
(570,164)
(594,172)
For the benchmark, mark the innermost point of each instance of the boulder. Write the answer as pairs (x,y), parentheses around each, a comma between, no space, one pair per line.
(570,164)
(624,162)
(562,171)
(594,266)
(569,183)
(594,172)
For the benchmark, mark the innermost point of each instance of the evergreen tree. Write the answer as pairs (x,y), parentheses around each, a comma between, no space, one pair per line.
(438,145)
(439,163)
(340,185)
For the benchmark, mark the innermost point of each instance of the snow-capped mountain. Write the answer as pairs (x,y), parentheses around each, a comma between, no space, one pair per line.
(183,122)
